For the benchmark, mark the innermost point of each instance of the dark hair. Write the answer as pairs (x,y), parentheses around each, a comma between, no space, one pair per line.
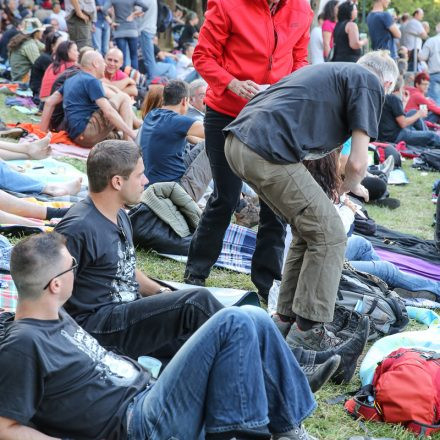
(345,10)
(61,55)
(174,92)
(329,10)
(326,173)
(50,40)
(108,159)
(321,16)
(32,260)
(422,76)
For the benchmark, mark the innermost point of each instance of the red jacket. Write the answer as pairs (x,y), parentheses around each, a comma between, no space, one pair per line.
(242,39)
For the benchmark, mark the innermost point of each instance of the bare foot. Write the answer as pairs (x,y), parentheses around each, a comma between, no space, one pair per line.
(63,189)
(40,149)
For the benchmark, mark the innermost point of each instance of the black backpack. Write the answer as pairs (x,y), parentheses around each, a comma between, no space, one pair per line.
(164,16)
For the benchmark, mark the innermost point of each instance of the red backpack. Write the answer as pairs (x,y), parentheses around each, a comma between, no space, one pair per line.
(405,390)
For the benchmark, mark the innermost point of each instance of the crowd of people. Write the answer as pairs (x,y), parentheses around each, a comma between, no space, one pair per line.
(193,115)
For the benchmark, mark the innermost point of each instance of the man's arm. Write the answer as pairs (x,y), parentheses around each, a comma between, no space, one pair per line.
(79,13)
(356,165)
(147,286)
(395,31)
(49,107)
(405,121)
(197,130)
(113,116)
(11,430)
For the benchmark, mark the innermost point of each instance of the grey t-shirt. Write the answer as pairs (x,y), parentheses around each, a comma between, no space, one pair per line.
(311,112)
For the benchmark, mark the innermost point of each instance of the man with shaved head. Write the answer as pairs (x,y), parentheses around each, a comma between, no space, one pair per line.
(90,116)
(115,76)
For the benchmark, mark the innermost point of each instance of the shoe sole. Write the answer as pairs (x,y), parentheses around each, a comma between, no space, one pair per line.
(330,366)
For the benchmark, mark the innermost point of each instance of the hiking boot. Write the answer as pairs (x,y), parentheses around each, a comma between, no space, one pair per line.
(195,281)
(283,326)
(318,374)
(387,166)
(425,294)
(318,338)
(298,433)
(350,352)
(247,213)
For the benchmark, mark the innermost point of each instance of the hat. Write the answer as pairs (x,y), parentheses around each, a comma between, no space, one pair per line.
(32,25)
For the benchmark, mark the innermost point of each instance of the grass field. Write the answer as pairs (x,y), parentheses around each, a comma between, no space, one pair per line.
(415,216)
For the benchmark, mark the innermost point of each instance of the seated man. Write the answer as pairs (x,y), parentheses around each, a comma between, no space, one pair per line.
(184,67)
(120,306)
(56,378)
(115,76)
(90,116)
(272,166)
(164,136)
(396,126)
(197,93)
(417,97)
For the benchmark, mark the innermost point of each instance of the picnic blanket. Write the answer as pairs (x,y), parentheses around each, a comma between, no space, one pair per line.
(237,250)
(49,170)
(228,297)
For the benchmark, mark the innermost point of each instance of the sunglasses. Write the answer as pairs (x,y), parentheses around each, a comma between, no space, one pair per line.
(73,268)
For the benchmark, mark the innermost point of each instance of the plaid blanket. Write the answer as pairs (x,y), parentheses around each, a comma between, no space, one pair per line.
(238,248)
(8,294)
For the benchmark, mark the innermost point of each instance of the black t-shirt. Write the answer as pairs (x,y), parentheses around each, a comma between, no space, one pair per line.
(106,258)
(389,129)
(56,376)
(37,72)
(4,41)
(310,112)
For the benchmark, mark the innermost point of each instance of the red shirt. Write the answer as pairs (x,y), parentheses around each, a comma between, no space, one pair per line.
(50,77)
(241,39)
(118,75)
(417,98)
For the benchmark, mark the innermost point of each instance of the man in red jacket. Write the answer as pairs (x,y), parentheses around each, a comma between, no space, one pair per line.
(243,47)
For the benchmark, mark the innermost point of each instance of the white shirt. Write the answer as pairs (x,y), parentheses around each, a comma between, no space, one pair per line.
(183,67)
(409,38)
(316,46)
(61,18)
(431,53)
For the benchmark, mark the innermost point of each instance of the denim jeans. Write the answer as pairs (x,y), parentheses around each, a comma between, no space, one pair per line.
(11,180)
(128,47)
(101,37)
(434,87)
(422,138)
(156,325)
(5,253)
(268,256)
(362,257)
(166,68)
(235,374)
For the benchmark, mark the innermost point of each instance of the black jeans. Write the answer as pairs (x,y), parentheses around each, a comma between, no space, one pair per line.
(156,325)
(207,240)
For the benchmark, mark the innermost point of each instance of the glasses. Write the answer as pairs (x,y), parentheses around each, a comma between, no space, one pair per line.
(73,267)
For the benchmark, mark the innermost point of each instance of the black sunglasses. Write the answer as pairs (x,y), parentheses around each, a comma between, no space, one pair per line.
(73,267)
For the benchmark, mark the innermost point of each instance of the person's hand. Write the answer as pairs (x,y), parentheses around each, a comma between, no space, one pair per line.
(361,191)
(84,17)
(364,41)
(93,28)
(245,89)
(349,204)
(423,112)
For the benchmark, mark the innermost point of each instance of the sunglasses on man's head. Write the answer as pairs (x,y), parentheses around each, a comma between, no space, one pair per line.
(73,267)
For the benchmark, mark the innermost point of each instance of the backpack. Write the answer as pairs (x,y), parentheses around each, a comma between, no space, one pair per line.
(164,16)
(368,295)
(405,390)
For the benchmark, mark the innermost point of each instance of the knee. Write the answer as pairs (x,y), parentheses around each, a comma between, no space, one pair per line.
(204,298)
(389,269)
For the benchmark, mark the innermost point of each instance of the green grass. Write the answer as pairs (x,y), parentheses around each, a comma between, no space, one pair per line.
(414,216)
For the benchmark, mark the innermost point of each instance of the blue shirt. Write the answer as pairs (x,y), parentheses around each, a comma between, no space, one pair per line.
(80,93)
(379,24)
(163,142)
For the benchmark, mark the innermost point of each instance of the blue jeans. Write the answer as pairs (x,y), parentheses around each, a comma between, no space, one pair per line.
(434,87)
(11,180)
(152,67)
(101,37)
(362,256)
(235,374)
(422,138)
(5,253)
(128,47)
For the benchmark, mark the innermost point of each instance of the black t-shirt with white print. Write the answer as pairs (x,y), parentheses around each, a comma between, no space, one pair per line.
(106,258)
(56,377)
